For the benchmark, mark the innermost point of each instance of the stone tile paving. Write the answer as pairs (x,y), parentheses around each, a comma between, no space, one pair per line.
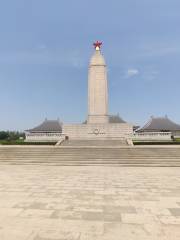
(89,203)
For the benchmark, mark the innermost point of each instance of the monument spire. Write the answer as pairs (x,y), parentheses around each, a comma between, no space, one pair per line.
(97,88)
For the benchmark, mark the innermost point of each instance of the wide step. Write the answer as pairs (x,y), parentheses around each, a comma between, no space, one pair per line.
(94,143)
(91,156)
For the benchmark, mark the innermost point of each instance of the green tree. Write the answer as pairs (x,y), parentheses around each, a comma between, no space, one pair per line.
(4,135)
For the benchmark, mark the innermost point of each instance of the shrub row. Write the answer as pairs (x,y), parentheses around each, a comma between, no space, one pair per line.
(25,143)
(157,143)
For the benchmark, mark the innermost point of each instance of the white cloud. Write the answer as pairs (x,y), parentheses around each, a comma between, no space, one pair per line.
(132,72)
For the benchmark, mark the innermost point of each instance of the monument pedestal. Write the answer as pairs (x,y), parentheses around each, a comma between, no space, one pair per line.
(98,131)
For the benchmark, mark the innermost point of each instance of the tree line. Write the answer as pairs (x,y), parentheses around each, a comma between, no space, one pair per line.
(11,135)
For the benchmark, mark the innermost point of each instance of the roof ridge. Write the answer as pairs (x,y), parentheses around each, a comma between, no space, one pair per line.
(160,124)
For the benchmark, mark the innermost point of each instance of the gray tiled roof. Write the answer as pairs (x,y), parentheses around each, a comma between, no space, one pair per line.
(116,119)
(112,119)
(48,126)
(160,124)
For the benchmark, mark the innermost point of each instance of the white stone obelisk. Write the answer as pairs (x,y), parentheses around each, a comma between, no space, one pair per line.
(97,88)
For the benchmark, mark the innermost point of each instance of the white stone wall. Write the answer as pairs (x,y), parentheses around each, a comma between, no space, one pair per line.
(44,137)
(98,131)
(152,136)
(176,134)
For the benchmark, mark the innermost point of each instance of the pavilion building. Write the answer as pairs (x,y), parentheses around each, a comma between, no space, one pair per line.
(48,131)
(160,125)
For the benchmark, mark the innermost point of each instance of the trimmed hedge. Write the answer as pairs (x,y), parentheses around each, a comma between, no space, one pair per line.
(157,143)
(4,142)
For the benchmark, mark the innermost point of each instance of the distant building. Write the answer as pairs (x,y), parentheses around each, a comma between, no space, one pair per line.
(113,119)
(49,130)
(160,124)
(116,119)
(135,127)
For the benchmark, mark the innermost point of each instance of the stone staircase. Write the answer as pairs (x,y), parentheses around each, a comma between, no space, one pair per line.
(90,156)
(95,143)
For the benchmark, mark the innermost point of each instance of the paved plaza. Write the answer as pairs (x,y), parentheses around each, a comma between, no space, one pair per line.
(89,203)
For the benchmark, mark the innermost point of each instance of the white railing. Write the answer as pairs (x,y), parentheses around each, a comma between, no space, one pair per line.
(152,136)
(43,137)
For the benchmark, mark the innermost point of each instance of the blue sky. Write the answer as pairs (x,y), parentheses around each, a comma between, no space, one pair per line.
(45,46)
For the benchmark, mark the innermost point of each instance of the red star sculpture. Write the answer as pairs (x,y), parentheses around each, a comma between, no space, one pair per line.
(97,44)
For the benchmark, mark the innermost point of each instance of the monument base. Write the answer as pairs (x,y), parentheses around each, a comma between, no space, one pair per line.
(98,119)
(98,131)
